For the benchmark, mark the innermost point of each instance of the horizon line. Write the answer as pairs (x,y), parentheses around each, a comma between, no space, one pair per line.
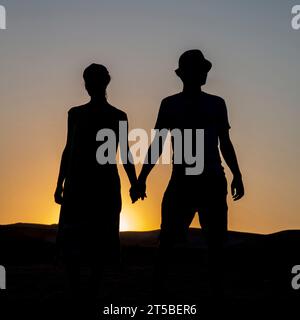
(153,230)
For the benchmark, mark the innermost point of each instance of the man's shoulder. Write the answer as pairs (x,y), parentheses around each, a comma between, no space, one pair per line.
(213,98)
(174,98)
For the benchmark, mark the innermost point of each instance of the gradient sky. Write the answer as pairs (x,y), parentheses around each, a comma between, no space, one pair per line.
(255,55)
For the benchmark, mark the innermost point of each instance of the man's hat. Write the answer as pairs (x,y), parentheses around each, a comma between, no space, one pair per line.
(193,59)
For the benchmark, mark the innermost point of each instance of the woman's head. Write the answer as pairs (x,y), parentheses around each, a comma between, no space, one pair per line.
(96,78)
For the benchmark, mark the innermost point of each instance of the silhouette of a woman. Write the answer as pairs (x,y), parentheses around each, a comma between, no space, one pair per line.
(89,193)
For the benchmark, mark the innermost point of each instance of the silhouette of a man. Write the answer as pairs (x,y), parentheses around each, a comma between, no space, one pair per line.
(205,193)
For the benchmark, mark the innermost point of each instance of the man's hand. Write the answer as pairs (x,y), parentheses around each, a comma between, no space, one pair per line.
(138,190)
(58,195)
(237,188)
(142,187)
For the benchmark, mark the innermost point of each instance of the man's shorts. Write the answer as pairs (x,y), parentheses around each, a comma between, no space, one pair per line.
(186,195)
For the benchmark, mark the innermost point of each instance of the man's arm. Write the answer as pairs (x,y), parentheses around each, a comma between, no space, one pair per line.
(150,160)
(229,155)
(156,148)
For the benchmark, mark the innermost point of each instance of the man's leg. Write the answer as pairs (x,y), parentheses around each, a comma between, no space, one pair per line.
(176,215)
(213,220)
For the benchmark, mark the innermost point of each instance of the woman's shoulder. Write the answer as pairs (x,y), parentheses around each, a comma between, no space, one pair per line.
(76,109)
(118,112)
(77,112)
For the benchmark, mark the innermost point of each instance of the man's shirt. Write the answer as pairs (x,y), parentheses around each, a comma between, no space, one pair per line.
(201,111)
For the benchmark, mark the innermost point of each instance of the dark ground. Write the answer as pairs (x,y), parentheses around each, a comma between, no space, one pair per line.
(257,283)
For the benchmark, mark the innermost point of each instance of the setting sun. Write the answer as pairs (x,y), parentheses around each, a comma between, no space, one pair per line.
(124,222)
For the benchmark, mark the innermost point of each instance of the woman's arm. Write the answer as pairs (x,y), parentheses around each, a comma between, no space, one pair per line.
(129,167)
(130,171)
(58,195)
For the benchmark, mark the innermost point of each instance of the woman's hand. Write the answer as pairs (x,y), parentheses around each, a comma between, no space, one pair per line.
(134,193)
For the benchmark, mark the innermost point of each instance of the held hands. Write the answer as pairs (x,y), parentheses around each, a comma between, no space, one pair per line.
(237,188)
(138,191)
(58,195)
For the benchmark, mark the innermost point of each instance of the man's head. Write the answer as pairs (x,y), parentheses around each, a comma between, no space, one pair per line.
(193,68)
(96,78)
